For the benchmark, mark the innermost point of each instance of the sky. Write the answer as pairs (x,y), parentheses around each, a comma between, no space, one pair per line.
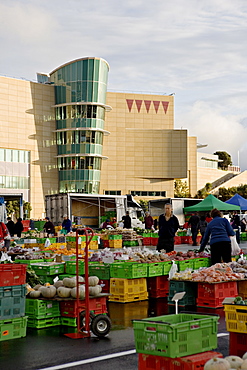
(196,49)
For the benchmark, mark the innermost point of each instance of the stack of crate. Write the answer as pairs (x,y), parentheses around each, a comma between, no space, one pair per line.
(102,271)
(183,341)
(47,271)
(115,241)
(13,323)
(42,313)
(212,294)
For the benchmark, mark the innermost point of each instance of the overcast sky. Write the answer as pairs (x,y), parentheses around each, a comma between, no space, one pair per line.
(195,49)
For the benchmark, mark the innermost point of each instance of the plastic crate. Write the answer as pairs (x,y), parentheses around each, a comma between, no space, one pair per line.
(100,270)
(121,315)
(13,328)
(43,323)
(158,286)
(166,267)
(128,270)
(201,262)
(192,362)
(177,240)
(70,267)
(93,244)
(41,308)
(190,288)
(106,243)
(115,237)
(28,262)
(237,344)
(12,274)
(130,243)
(155,269)
(12,301)
(48,268)
(69,321)
(115,243)
(62,276)
(154,241)
(176,335)
(128,290)
(212,295)
(97,305)
(186,264)
(146,240)
(236,318)
(242,289)
(105,284)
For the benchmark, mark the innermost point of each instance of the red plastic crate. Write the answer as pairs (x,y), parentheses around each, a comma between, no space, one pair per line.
(237,344)
(158,286)
(12,274)
(106,243)
(105,284)
(154,241)
(146,241)
(68,308)
(193,362)
(217,290)
(26,225)
(177,240)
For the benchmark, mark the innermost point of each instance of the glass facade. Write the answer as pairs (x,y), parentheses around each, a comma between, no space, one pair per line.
(80,93)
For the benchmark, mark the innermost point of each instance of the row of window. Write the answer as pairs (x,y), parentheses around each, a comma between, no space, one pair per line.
(148,193)
(88,187)
(112,192)
(80,111)
(79,163)
(13,155)
(80,123)
(79,136)
(14,182)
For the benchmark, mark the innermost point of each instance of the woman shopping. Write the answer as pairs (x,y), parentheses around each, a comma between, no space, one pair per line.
(219,230)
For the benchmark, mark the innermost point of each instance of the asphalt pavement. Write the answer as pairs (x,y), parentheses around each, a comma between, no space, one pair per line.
(50,349)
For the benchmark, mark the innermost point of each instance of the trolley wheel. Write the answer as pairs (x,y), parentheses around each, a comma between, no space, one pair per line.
(83,318)
(101,325)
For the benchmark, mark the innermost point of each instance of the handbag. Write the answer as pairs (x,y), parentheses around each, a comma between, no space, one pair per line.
(234,245)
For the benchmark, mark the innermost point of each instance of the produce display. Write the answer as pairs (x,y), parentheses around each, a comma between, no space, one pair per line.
(240,301)
(227,363)
(240,267)
(217,273)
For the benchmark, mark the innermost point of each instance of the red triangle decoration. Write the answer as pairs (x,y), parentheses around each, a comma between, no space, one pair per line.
(138,105)
(156,105)
(165,105)
(129,103)
(147,104)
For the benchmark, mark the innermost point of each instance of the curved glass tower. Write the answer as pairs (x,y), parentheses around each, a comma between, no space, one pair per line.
(80,93)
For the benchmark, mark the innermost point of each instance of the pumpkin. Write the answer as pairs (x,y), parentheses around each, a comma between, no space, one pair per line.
(93,280)
(63,292)
(81,292)
(80,279)
(217,364)
(69,282)
(58,283)
(37,287)
(49,291)
(34,294)
(244,365)
(95,290)
(245,356)
(234,361)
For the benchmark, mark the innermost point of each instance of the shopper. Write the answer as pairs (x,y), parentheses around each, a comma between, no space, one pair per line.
(49,228)
(66,224)
(10,226)
(168,226)
(193,223)
(149,222)
(127,221)
(235,222)
(208,217)
(18,227)
(202,225)
(219,230)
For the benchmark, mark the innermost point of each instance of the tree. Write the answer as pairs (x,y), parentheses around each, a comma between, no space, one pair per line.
(181,189)
(226,160)
(204,192)
(227,193)
(13,208)
(144,204)
(27,209)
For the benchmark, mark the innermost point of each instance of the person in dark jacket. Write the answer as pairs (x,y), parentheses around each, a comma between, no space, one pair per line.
(220,244)
(193,223)
(149,222)
(168,226)
(49,227)
(11,226)
(19,227)
(66,225)
(127,221)
(235,222)
(202,225)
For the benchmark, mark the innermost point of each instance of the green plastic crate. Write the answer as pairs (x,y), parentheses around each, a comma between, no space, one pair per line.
(69,321)
(47,279)
(128,270)
(155,269)
(43,323)
(41,240)
(12,301)
(100,270)
(115,237)
(48,268)
(176,335)
(167,266)
(41,308)
(130,243)
(201,262)
(28,262)
(63,276)
(186,264)
(70,267)
(13,328)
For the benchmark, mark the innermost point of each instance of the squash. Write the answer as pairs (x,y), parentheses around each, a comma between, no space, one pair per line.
(217,364)
(37,287)
(71,282)
(80,279)
(244,365)
(81,292)
(245,356)
(58,283)
(34,294)
(234,361)
(63,292)
(95,290)
(49,291)
(93,280)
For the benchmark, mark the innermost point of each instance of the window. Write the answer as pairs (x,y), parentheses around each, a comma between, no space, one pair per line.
(148,193)
(112,192)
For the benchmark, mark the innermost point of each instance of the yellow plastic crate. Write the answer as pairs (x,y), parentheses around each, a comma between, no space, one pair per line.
(115,243)
(93,244)
(128,290)
(236,318)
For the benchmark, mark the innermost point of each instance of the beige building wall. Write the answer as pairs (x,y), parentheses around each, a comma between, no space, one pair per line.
(205,175)
(240,179)
(27,123)
(144,152)
(192,165)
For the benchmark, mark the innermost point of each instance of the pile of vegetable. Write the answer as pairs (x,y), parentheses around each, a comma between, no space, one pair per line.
(240,267)
(30,256)
(217,273)
(227,363)
(66,288)
(240,301)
